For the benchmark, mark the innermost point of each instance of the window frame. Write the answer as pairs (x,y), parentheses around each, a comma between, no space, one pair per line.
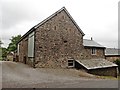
(31,41)
(93,51)
(71,61)
(18,49)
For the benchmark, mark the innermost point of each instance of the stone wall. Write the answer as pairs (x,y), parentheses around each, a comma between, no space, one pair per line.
(99,53)
(56,41)
(110,71)
(23,52)
(112,58)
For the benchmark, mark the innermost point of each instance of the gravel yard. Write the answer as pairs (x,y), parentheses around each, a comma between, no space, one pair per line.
(17,75)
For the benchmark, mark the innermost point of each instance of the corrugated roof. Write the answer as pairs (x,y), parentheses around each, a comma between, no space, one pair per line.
(112,51)
(91,43)
(96,63)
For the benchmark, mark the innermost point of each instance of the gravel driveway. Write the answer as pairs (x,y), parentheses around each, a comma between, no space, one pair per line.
(17,75)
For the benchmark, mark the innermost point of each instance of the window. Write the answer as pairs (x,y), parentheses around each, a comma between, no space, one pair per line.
(65,41)
(93,51)
(18,49)
(54,27)
(31,45)
(71,63)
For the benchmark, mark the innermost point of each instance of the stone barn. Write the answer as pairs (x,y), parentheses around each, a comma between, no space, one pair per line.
(57,42)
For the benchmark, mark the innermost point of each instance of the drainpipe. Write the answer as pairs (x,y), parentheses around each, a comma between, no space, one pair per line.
(34,49)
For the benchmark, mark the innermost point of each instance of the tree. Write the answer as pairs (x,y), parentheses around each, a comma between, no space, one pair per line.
(12,45)
(117,61)
(0,43)
(4,52)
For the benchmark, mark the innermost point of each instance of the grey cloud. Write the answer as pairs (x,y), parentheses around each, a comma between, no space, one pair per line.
(94,24)
(15,12)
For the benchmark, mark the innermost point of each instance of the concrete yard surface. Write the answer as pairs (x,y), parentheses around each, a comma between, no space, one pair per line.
(19,75)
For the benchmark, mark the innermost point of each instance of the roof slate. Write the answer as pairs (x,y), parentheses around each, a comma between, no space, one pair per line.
(96,63)
(91,43)
(112,51)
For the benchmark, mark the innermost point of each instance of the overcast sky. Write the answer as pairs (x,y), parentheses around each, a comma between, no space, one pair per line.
(96,18)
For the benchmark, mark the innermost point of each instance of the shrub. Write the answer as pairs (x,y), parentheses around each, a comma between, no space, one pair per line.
(117,61)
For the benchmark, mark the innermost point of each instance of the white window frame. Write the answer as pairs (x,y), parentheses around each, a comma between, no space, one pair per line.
(71,61)
(18,49)
(93,51)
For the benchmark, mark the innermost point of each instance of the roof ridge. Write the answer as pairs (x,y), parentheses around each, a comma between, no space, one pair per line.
(91,40)
(88,39)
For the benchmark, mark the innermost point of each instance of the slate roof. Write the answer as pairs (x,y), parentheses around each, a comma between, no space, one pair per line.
(112,51)
(91,43)
(96,63)
(45,20)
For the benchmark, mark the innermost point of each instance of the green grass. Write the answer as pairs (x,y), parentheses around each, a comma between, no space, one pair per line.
(0,54)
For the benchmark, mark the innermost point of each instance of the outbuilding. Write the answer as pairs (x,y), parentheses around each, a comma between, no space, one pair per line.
(100,67)
(112,54)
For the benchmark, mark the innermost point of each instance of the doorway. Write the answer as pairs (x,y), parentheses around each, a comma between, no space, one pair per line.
(24,59)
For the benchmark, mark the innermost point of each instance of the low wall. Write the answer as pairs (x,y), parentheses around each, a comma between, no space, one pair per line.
(110,71)
(112,58)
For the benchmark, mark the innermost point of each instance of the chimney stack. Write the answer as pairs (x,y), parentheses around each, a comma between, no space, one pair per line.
(91,38)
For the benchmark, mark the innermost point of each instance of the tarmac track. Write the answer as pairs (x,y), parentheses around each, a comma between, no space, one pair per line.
(18,75)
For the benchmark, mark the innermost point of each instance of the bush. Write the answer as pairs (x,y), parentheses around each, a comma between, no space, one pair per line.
(117,61)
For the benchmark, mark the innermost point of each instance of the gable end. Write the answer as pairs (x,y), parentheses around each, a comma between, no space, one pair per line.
(50,17)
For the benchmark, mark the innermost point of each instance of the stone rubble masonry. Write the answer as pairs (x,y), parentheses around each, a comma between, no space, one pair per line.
(56,41)
(112,58)
(110,71)
(99,53)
